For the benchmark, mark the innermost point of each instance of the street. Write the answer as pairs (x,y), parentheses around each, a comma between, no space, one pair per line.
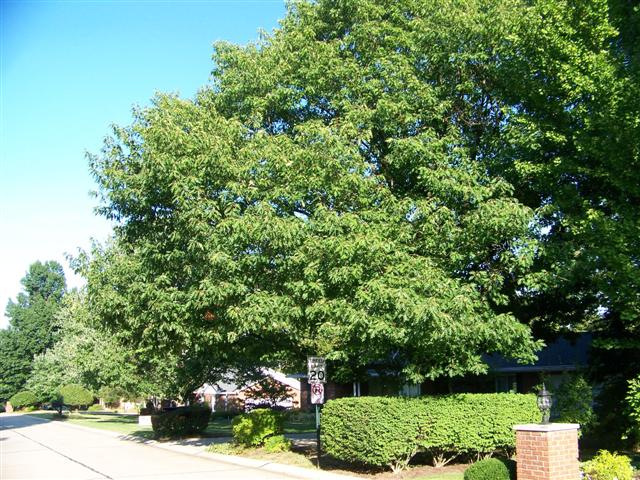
(32,448)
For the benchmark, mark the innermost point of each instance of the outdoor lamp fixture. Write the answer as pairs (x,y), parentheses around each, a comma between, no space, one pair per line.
(544,404)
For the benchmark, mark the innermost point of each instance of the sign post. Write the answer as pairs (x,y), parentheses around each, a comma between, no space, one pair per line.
(317,377)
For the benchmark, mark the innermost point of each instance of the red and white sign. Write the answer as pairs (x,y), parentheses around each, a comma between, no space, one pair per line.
(317,393)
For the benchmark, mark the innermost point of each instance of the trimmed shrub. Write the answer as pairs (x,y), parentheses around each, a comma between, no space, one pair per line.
(251,429)
(181,421)
(74,395)
(277,443)
(608,466)
(491,469)
(95,408)
(475,424)
(383,431)
(23,399)
(377,431)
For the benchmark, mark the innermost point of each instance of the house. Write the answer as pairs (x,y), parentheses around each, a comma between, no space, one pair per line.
(558,359)
(275,389)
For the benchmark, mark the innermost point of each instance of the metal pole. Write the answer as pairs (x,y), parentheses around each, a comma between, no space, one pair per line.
(318,435)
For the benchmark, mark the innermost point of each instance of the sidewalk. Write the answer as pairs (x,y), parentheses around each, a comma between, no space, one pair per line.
(197,447)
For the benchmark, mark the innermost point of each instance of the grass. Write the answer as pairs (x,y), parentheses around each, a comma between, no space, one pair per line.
(444,476)
(124,424)
(288,458)
(128,424)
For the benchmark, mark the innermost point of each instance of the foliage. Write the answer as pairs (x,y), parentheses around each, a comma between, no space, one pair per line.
(253,428)
(87,355)
(385,431)
(31,324)
(375,431)
(475,424)
(343,214)
(491,469)
(608,466)
(23,399)
(633,409)
(181,421)
(573,402)
(74,395)
(113,395)
(96,407)
(277,443)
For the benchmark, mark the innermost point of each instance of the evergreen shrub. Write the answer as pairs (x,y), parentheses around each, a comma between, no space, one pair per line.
(181,421)
(388,431)
(608,466)
(475,424)
(74,395)
(253,428)
(491,469)
(23,399)
(378,431)
(95,408)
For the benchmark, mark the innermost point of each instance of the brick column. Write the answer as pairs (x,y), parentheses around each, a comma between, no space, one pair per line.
(547,452)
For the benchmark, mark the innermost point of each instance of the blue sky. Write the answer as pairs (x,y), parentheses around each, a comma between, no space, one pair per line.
(69,69)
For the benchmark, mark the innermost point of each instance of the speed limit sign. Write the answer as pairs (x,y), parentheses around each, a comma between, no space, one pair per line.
(316,370)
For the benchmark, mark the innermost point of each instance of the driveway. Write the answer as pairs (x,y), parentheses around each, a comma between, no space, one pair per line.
(31,448)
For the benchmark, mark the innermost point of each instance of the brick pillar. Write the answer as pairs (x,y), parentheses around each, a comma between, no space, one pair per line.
(547,452)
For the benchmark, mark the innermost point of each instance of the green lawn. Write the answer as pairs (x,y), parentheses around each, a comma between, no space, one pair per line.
(128,424)
(444,476)
(125,424)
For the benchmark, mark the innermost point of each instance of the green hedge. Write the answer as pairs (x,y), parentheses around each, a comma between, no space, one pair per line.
(375,431)
(181,421)
(253,428)
(387,431)
(475,424)
(23,399)
(491,469)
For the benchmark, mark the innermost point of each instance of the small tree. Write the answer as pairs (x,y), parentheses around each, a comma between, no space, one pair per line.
(74,395)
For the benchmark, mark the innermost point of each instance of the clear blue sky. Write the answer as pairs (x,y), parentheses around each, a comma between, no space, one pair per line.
(68,70)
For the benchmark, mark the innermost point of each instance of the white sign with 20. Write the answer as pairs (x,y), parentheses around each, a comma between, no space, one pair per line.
(317,370)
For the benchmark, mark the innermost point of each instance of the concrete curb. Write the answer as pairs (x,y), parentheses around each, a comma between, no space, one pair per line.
(200,451)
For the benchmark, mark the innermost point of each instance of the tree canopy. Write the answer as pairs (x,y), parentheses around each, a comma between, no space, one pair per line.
(403,184)
(31,324)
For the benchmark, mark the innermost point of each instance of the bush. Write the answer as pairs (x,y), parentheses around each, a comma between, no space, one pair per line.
(180,421)
(608,466)
(375,431)
(23,399)
(251,429)
(574,398)
(382,431)
(277,443)
(633,410)
(95,408)
(74,395)
(475,424)
(491,469)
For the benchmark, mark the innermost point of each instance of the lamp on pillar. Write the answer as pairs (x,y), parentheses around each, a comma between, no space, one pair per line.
(544,404)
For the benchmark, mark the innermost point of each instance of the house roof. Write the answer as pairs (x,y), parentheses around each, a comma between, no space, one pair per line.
(562,355)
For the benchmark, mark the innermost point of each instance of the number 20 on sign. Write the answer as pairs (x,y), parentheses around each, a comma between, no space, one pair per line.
(317,370)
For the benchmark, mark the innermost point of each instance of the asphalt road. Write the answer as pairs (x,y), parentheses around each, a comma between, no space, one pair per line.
(34,449)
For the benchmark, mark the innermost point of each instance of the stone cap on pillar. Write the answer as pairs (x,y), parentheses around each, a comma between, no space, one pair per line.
(546,427)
